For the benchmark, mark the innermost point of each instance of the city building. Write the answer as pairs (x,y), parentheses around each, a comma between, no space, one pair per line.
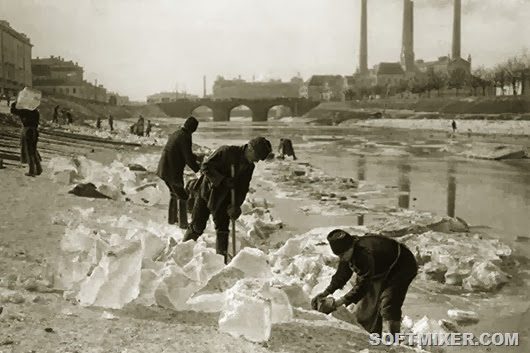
(165,97)
(116,99)
(56,76)
(327,87)
(15,60)
(239,88)
(389,74)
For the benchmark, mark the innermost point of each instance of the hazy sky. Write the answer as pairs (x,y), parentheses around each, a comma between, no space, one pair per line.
(139,47)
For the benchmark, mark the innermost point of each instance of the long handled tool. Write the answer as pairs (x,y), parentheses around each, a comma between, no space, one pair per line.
(233,221)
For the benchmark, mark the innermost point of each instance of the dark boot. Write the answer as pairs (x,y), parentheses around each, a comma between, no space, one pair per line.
(221,244)
(191,234)
(172,211)
(391,326)
(182,214)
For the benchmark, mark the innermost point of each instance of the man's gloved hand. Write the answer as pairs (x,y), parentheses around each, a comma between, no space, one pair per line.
(234,212)
(229,182)
(327,305)
(315,301)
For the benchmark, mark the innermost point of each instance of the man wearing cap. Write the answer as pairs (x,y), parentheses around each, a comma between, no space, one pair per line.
(384,267)
(176,155)
(216,183)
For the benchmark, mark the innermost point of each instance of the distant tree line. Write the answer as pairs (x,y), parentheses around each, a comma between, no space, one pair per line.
(512,72)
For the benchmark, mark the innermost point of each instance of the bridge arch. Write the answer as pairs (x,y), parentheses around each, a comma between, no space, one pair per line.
(203,112)
(241,112)
(279,111)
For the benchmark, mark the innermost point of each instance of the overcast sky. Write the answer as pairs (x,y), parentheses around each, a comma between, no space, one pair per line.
(139,47)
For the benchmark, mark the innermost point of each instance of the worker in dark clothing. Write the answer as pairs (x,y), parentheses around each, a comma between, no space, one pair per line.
(140,126)
(148,128)
(69,118)
(98,123)
(384,267)
(215,184)
(286,148)
(55,118)
(453,126)
(111,123)
(29,138)
(176,155)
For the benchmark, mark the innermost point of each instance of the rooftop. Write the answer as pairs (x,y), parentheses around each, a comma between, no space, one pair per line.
(4,25)
(390,69)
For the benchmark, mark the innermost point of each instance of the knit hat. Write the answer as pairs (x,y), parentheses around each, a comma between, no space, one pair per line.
(191,124)
(261,146)
(339,241)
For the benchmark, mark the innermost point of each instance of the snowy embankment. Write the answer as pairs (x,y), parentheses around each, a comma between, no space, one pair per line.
(113,260)
(464,126)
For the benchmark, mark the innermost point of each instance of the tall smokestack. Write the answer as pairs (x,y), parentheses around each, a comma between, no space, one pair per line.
(204,86)
(457,27)
(407,46)
(363,57)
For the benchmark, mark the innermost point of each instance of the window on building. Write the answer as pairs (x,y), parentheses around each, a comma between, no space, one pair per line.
(73,89)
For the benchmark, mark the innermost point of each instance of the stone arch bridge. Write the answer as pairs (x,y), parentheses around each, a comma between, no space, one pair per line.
(221,108)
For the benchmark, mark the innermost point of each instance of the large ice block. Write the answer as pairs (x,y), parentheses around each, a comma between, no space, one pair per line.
(246,313)
(116,280)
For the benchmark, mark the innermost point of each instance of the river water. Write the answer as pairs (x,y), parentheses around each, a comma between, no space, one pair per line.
(492,196)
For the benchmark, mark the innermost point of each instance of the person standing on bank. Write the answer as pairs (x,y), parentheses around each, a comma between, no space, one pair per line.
(29,138)
(148,128)
(111,122)
(176,155)
(214,189)
(98,123)
(453,126)
(55,118)
(385,269)
(140,126)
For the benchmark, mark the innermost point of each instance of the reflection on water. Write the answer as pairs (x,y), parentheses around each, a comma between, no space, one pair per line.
(404,185)
(451,189)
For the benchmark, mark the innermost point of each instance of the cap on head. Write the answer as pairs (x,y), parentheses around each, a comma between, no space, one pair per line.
(191,124)
(261,146)
(339,241)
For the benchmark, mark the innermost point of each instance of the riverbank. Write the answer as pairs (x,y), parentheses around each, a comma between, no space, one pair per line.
(299,195)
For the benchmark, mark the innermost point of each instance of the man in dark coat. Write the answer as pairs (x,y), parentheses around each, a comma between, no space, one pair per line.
(29,138)
(148,128)
(286,148)
(385,268)
(111,123)
(140,126)
(98,123)
(215,184)
(176,155)
(55,118)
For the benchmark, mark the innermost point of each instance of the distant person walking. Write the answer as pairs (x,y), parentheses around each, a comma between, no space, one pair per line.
(98,123)
(29,138)
(8,98)
(111,122)
(453,125)
(148,128)
(55,118)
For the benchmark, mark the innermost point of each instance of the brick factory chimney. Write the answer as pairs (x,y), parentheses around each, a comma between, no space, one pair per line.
(457,29)
(363,56)
(407,45)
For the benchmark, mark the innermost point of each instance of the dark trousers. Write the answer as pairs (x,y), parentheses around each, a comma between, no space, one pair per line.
(177,212)
(199,218)
(29,153)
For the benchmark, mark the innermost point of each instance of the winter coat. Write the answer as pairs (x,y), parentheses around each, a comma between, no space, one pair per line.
(176,155)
